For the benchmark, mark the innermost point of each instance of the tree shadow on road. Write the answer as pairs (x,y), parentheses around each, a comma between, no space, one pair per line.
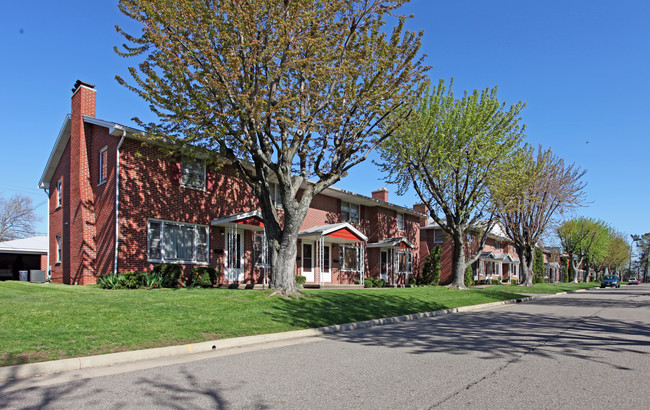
(501,334)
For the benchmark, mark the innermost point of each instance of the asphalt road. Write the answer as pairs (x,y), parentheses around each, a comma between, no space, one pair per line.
(586,350)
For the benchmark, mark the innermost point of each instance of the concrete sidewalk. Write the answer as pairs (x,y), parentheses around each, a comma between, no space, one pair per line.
(78,363)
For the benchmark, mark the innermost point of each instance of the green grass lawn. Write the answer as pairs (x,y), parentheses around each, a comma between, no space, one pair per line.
(40,322)
(549,288)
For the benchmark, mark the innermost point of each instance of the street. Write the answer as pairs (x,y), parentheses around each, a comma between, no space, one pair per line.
(584,350)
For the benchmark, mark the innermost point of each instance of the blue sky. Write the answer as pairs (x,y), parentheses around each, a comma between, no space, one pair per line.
(582,68)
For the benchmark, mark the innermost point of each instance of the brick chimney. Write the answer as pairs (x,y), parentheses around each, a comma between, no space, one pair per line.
(421,208)
(380,194)
(82,211)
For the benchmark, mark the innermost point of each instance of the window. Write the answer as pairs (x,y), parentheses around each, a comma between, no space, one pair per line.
(400,222)
(349,258)
(172,241)
(59,192)
(259,254)
(438,236)
(274,193)
(103,165)
(349,212)
(307,257)
(404,262)
(498,246)
(193,175)
(58,249)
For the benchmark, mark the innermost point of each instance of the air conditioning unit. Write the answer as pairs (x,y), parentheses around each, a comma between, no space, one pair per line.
(37,276)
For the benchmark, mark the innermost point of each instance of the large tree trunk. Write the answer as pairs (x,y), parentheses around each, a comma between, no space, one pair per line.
(526,262)
(283,248)
(458,263)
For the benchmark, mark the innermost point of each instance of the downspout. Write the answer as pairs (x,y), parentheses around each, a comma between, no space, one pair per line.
(49,271)
(117,199)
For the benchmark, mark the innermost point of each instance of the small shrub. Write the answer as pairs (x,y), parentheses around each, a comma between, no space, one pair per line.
(170,273)
(413,281)
(111,281)
(514,282)
(134,280)
(380,283)
(300,280)
(369,283)
(153,280)
(496,282)
(357,281)
(430,274)
(208,276)
(469,276)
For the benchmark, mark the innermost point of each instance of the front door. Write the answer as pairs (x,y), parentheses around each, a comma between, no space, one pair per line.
(308,261)
(326,274)
(383,265)
(235,257)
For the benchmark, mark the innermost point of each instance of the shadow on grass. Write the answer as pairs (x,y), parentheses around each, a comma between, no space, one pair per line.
(323,308)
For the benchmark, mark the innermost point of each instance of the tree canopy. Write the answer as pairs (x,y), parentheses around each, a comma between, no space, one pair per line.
(584,239)
(285,90)
(535,191)
(449,150)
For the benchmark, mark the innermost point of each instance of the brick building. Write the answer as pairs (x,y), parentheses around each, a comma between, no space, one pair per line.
(117,204)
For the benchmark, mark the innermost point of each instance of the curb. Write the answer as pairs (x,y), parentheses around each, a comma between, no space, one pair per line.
(25,371)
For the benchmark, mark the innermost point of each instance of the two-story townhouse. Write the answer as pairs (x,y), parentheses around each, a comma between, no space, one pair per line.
(498,258)
(119,204)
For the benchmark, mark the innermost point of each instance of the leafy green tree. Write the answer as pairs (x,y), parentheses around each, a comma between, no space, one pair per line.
(538,266)
(584,239)
(617,254)
(449,150)
(431,267)
(537,188)
(293,93)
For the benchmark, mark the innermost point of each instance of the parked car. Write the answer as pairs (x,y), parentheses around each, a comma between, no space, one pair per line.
(611,281)
(633,281)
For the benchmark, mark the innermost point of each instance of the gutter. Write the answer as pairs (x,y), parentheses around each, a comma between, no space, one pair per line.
(114,131)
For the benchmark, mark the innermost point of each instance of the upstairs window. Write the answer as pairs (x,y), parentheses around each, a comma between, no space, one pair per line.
(400,222)
(498,246)
(59,192)
(438,236)
(103,165)
(192,175)
(349,212)
(274,193)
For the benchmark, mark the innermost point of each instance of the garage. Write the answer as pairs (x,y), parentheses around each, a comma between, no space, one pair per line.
(26,255)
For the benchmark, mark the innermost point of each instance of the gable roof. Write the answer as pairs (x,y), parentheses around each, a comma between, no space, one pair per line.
(333,231)
(118,130)
(392,243)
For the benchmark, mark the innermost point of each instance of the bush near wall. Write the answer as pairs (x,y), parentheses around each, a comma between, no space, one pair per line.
(171,274)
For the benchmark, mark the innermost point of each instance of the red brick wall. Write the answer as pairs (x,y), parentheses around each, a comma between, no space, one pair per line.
(60,220)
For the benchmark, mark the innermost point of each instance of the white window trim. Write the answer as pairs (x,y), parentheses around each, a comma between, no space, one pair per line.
(193,261)
(59,193)
(205,176)
(397,219)
(344,268)
(103,178)
(350,205)
(59,250)
(409,261)
(442,233)
(276,201)
(265,263)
